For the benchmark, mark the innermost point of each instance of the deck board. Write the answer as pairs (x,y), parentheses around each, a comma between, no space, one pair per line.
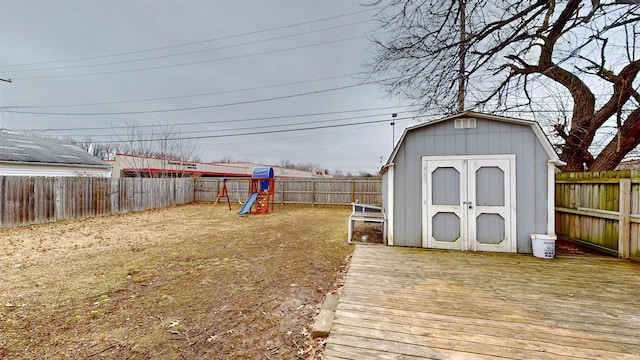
(401,303)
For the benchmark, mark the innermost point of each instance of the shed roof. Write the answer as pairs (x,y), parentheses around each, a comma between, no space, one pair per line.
(537,130)
(37,150)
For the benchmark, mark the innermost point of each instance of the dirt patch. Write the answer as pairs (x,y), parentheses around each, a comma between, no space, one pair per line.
(183,282)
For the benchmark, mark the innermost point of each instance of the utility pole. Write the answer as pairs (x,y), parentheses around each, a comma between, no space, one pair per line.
(462,54)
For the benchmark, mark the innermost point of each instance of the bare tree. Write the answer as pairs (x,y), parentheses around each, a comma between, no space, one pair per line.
(516,54)
(164,142)
(108,151)
(304,166)
(84,144)
(226,160)
(103,151)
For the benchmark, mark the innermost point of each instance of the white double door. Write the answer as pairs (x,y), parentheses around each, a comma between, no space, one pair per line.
(469,203)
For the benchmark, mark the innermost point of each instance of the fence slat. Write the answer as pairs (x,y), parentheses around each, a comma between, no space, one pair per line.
(35,200)
(299,191)
(600,210)
(624,245)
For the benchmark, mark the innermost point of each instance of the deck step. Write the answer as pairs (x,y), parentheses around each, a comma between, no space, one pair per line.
(322,325)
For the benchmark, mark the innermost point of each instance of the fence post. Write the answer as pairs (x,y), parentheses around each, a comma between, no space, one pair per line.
(353,191)
(313,192)
(114,195)
(57,195)
(572,205)
(624,223)
(282,187)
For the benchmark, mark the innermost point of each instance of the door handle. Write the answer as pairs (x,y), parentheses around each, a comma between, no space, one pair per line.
(469,203)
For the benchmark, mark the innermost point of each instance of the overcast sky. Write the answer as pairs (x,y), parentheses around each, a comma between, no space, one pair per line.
(281,61)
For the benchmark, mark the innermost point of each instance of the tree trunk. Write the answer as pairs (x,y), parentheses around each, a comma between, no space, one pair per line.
(620,145)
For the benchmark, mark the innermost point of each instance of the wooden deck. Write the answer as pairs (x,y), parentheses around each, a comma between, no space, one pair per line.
(400,303)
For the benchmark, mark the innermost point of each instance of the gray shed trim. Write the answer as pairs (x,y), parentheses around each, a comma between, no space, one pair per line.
(26,150)
(537,130)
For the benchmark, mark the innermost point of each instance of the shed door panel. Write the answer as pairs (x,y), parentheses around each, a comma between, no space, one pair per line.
(444,206)
(469,203)
(490,214)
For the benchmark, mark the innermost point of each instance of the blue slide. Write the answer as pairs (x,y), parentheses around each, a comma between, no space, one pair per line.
(247,205)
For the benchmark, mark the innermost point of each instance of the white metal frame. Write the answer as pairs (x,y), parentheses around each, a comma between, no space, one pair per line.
(367,216)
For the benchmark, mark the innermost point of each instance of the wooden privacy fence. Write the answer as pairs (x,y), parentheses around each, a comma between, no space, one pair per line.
(35,200)
(600,210)
(299,191)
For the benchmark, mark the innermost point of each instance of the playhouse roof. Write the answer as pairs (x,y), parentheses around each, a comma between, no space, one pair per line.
(537,130)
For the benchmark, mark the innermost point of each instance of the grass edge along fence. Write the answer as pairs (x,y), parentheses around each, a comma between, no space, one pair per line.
(36,200)
(600,210)
(298,191)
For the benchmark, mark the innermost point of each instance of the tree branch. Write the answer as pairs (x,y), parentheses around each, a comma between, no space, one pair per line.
(628,138)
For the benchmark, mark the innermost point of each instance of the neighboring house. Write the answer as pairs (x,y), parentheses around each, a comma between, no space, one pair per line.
(633,164)
(127,165)
(471,182)
(22,155)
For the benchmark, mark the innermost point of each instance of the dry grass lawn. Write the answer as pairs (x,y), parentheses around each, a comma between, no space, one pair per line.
(177,283)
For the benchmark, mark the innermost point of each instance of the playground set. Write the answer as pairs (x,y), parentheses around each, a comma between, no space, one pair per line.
(261,191)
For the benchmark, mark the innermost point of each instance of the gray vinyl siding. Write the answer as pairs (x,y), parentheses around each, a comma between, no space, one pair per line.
(490,137)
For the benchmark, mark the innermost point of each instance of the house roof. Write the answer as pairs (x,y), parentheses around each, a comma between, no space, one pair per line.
(24,149)
(537,130)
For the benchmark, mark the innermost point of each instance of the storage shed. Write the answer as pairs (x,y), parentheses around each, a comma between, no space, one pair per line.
(471,182)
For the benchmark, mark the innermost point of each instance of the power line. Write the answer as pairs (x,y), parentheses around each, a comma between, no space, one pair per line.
(192,62)
(193,42)
(182,96)
(192,52)
(221,121)
(253,141)
(246,128)
(187,108)
(264,132)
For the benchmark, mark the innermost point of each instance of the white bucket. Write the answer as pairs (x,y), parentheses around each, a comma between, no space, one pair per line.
(544,246)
